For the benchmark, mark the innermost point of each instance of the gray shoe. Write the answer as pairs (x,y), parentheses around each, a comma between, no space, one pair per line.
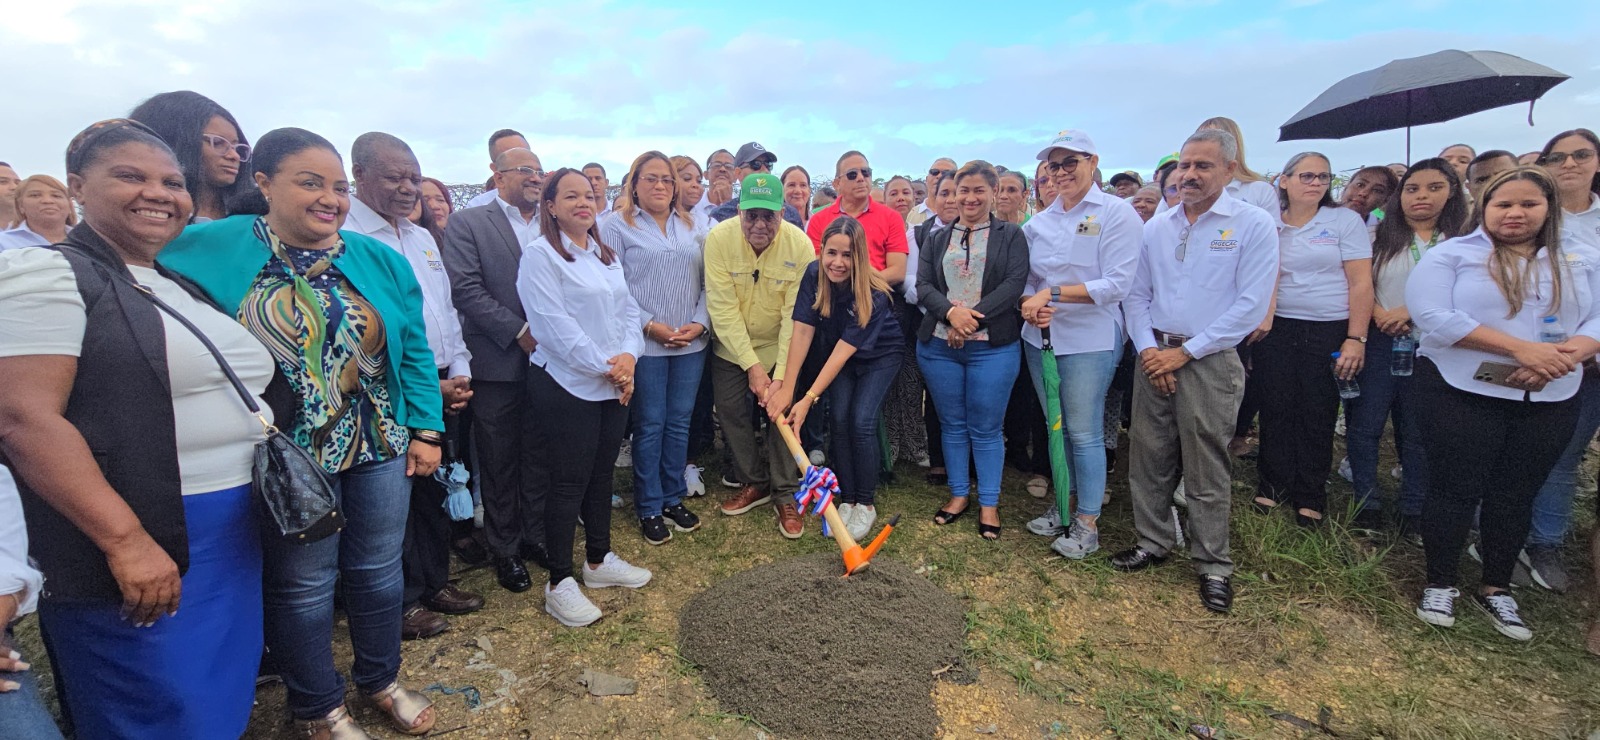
(1047,524)
(1544,564)
(1077,543)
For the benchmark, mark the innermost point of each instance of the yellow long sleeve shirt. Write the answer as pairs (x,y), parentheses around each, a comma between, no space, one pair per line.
(751,298)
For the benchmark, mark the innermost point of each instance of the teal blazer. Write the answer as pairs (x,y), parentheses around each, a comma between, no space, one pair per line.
(224,257)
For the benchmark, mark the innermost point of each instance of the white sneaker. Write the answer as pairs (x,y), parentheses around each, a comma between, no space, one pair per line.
(847,514)
(693,481)
(1345,471)
(861,523)
(568,605)
(625,455)
(1047,524)
(817,458)
(1179,498)
(614,571)
(1438,606)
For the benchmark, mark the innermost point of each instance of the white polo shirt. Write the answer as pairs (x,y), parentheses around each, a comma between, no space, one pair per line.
(1312,285)
(1219,292)
(1451,293)
(439,316)
(1095,244)
(1582,227)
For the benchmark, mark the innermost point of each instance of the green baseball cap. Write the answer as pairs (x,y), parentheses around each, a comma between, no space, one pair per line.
(1173,157)
(761,190)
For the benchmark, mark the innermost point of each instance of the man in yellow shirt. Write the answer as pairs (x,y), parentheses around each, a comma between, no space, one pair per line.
(753,268)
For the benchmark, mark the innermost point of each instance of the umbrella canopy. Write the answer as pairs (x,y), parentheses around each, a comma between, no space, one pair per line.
(1060,469)
(1428,89)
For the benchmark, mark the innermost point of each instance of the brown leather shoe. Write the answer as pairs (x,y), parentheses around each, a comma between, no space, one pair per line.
(452,600)
(418,623)
(789,522)
(746,499)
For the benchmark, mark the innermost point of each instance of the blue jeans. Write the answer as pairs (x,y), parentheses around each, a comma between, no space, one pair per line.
(857,395)
(1382,396)
(364,560)
(22,712)
(1085,378)
(969,387)
(1552,507)
(663,401)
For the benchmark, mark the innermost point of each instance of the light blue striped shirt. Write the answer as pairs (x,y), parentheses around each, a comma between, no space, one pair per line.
(665,272)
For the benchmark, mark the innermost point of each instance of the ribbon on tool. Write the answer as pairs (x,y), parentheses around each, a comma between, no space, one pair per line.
(817,490)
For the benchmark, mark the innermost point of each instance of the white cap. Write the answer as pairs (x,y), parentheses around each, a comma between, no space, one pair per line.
(1072,140)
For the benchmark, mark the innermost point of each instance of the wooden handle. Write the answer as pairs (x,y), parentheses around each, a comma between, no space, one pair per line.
(835,524)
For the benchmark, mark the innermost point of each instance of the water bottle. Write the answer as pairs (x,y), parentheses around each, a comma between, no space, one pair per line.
(1550,331)
(1404,355)
(1348,389)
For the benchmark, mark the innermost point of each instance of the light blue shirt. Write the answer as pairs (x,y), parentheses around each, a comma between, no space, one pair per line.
(22,236)
(1096,244)
(665,272)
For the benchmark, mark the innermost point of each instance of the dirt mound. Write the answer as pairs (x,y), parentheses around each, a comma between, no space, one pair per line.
(813,655)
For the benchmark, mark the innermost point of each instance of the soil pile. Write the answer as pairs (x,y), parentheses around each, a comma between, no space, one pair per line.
(813,655)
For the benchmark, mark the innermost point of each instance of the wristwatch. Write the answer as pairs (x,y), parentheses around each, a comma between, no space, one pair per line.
(1362,340)
(1055,294)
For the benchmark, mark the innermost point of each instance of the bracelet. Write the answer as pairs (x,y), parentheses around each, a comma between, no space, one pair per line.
(813,395)
(428,436)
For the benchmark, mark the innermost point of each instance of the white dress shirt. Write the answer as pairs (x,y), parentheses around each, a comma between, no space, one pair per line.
(484,198)
(525,230)
(22,236)
(582,313)
(1451,293)
(702,210)
(17,577)
(1219,292)
(913,259)
(439,316)
(1096,244)
(1582,227)
(1312,285)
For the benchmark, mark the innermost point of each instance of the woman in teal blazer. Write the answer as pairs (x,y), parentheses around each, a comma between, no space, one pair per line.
(341,314)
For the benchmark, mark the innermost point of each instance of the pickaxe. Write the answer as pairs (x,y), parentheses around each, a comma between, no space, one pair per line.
(856,558)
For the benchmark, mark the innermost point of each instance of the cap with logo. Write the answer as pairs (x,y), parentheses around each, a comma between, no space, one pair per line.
(761,190)
(751,152)
(1129,176)
(1173,157)
(1071,140)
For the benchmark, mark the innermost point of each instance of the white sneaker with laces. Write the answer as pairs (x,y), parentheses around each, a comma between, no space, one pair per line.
(1438,606)
(693,481)
(1047,524)
(625,455)
(614,571)
(847,514)
(568,605)
(861,523)
(1502,611)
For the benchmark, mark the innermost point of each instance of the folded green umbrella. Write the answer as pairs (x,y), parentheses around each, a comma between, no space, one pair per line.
(1060,473)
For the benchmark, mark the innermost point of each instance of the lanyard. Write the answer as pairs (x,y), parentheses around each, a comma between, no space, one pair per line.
(1416,256)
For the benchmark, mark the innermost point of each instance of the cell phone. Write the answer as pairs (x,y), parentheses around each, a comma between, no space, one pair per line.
(1496,373)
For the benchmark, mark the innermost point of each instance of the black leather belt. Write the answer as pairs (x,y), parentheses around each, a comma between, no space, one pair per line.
(1169,341)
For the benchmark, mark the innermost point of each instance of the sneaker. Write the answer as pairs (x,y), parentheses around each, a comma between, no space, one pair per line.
(1544,564)
(748,497)
(1502,611)
(681,517)
(1038,487)
(817,458)
(847,512)
(614,571)
(695,484)
(1047,524)
(729,482)
(790,523)
(1179,497)
(625,455)
(1344,470)
(655,530)
(568,605)
(923,462)
(1438,606)
(1077,543)
(860,524)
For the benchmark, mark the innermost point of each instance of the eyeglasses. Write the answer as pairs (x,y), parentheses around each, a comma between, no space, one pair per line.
(1315,178)
(938,172)
(858,173)
(1066,165)
(221,146)
(654,180)
(525,171)
(1556,159)
(759,215)
(721,167)
(1183,244)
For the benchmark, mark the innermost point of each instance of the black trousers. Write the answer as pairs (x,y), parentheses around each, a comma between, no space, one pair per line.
(580,439)
(1251,404)
(425,559)
(514,478)
(1027,440)
(1483,451)
(1293,376)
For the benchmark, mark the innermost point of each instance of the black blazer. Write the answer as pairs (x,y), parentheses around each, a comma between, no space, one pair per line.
(1005,275)
(481,255)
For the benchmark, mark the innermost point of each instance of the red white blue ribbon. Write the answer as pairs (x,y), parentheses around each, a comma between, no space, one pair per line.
(817,490)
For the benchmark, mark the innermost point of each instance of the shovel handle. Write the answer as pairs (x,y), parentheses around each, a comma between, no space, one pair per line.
(830,513)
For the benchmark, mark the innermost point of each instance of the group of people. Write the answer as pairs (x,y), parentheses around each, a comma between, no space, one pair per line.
(535,332)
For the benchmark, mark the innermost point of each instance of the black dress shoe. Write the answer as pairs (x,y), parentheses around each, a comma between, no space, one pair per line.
(534,552)
(512,575)
(1135,558)
(1216,592)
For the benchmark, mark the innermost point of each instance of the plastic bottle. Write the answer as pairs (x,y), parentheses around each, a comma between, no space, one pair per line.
(1347,388)
(1404,355)
(1550,331)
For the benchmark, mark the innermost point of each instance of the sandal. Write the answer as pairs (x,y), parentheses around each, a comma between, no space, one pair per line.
(946,517)
(409,711)
(990,532)
(1264,505)
(336,725)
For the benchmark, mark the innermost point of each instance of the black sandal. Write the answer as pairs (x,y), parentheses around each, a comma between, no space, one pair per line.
(946,517)
(990,532)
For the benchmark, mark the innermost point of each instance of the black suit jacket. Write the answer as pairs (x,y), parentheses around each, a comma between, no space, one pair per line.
(1005,276)
(481,255)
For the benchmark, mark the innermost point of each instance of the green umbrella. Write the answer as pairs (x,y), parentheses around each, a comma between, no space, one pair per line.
(1059,471)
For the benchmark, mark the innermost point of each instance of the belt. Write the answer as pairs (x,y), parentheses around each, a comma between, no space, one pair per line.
(1169,341)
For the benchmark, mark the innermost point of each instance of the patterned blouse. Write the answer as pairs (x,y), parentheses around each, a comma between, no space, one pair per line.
(963,263)
(331,345)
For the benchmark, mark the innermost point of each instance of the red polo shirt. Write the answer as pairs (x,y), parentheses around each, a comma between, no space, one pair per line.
(886,230)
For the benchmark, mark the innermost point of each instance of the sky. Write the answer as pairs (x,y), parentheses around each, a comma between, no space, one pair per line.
(605,81)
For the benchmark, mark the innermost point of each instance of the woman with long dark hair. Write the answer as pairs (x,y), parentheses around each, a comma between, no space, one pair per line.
(1507,313)
(1428,207)
(211,148)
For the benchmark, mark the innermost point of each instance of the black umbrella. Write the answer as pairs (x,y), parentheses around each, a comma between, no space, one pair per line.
(1438,87)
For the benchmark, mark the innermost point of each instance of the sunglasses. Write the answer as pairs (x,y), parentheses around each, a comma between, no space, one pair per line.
(524,170)
(760,165)
(221,146)
(1556,159)
(1183,244)
(858,173)
(1315,178)
(760,215)
(1065,165)
(939,173)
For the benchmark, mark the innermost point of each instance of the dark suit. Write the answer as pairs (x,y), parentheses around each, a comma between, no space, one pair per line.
(481,254)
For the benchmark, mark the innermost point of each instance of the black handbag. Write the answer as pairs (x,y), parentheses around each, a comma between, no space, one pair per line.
(295,489)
